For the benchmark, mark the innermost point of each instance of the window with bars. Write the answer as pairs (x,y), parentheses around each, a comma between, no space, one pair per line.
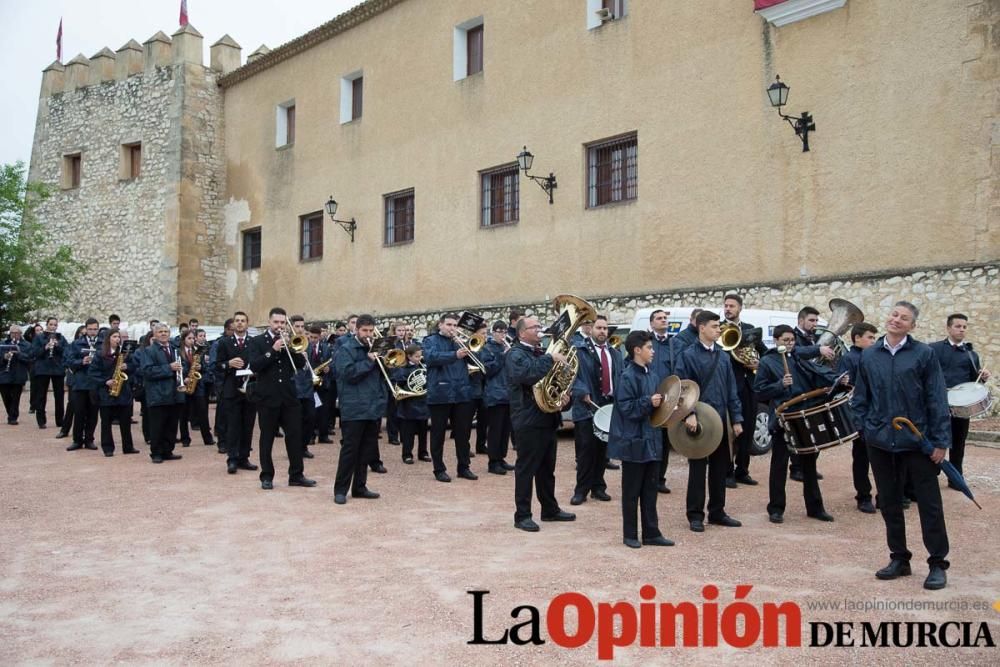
(500,196)
(399,217)
(251,249)
(311,236)
(613,170)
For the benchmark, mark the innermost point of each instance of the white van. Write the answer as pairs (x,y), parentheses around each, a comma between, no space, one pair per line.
(679,318)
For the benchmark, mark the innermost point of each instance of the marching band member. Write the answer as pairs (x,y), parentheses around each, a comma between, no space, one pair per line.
(412,414)
(218,382)
(362,391)
(449,396)
(959,363)
(863,336)
(662,366)
(305,391)
(633,440)
(274,365)
(67,425)
(599,373)
(478,383)
(496,395)
(739,468)
(85,408)
(901,377)
(319,353)
(232,357)
(527,363)
(706,363)
(30,332)
(195,408)
(102,370)
(49,353)
(160,369)
(397,329)
(185,351)
(14,372)
(806,347)
(773,384)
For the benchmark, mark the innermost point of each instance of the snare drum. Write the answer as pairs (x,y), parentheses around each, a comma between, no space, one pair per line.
(602,422)
(812,429)
(968,400)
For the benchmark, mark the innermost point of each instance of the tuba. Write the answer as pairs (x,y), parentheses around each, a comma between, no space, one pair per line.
(552,389)
(844,315)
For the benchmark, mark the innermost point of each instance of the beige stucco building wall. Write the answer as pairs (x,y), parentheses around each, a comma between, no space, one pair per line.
(900,175)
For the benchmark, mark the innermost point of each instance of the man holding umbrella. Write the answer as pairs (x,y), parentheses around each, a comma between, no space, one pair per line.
(901,377)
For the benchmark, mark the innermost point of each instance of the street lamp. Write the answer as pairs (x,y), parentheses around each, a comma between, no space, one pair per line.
(777,93)
(348,225)
(546,183)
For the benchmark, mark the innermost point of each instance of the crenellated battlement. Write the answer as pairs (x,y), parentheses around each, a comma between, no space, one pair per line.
(185,46)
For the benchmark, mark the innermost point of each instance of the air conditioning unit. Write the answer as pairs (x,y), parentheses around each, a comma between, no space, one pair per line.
(605,14)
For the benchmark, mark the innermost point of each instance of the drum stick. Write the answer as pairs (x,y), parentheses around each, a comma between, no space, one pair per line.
(784,358)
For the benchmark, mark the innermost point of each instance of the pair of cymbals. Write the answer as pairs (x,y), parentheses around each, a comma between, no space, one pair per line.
(706,438)
(679,397)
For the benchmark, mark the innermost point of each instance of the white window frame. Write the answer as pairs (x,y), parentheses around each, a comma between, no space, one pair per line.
(594,6)
(347,96)
(281,124)
(460,50)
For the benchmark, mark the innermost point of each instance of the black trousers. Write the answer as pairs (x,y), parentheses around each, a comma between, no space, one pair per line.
(67,424)
(162,428)
(922,472)
(859,470)
(778,478)
(238,434)
(11,394)
(220,422)
(85,409)
(359,440)
(717,465)
(324,413)
(460,415)
(391,421)
(123,413)
(196,412)
(288,416)
(740,467)
(410,430)
(639,484)
(959,433)
(57,382)
(144,420)
(536,464)
(498,432)
(482,425)
(590,455)
(666,456)
(308,420)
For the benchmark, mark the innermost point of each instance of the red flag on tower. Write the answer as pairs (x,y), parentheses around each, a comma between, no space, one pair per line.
(59,42)
(184,12)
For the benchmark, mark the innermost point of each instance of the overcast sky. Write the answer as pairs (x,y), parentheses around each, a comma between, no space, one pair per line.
(29,41)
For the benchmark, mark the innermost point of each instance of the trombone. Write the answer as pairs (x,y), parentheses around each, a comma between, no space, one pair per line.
(471,343)
(394,359)
(293,342)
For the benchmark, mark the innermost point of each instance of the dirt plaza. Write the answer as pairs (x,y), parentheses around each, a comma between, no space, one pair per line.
(117,560)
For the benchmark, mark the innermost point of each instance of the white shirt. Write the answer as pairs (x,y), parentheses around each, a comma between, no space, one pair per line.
(710,347)
(893,349)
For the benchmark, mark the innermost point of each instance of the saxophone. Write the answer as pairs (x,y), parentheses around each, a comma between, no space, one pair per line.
(194,374)
(552,389)
(118,378)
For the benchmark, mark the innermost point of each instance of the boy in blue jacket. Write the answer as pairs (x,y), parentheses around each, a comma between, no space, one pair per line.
(412,413)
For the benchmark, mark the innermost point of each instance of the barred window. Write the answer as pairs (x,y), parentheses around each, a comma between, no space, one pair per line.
(500,196)
(251,249)
(311,236)
(399,217)
(612,171)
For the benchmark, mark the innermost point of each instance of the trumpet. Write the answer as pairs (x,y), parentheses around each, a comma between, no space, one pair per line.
(175,356)
(472,344)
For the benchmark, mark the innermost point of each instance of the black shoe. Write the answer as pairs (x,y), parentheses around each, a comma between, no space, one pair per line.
(223,450)
(895,568)
(600,495)
(109,454)
(325,441)
(364,493)
(172,457)
(906,503)
(866,507)
(527,525)
(482,450)
(379,468)
(394,442)
(306,454)
(231,467)
(340,498)
(613,466)
(697,526)
(663,488)
(245,465)
(301,481)
(560,516)
(937,579)
(39,426)
(577,500)
(796,476)
(775,517)
(730,482)
(442,477)
(11,422)
(130,451)
(186,444)
(631,543)
(209,443)
(659,541)
(496,469)
(507,466)
(424,457)
(75,446)
(266,484)
(747,479)
(408,460)
(468,474)
(822,516)
(90,445)
(157,459)
(61,434)
(819,475)
(725,520)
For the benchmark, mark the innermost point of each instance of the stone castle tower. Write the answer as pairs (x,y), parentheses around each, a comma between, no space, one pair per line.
(131,144)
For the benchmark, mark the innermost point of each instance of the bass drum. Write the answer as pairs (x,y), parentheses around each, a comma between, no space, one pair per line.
(602,422)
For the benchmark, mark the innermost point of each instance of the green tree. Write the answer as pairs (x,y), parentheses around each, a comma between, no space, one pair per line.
(34,274)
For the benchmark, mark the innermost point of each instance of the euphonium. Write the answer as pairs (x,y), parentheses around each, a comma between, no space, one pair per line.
(552,389)
(118,378)
(194,374)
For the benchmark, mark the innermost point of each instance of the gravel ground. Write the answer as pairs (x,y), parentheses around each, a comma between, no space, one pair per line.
(117,560)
